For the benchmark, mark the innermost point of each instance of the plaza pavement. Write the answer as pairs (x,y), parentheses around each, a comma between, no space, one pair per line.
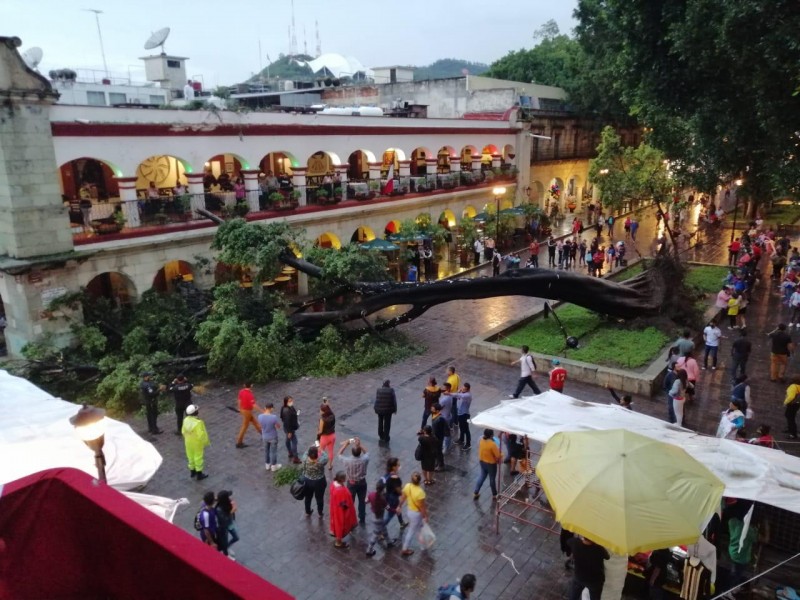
(279,543)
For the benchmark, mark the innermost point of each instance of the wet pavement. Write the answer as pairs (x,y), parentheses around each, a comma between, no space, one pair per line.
(279,543)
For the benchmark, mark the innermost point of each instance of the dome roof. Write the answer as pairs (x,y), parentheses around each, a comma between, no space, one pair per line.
(337,65)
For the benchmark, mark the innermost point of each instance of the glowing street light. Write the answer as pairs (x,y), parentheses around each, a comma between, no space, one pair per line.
(90,425)
(498,192)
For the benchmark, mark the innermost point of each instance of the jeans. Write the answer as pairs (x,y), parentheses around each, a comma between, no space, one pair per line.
(440,454)
(551,258)
(446,443)
(739,363)
(677,407)
(378,531)
(464,435)
(415,521)
(576,589)
(358,490)
(384,426)
(315,488)
(180,412)
(291,444)
(791,417)
(487,470)
(425,415)
(523,381)
(710,351)
(670,410)
(247,418)
(151,410)
(393,501)
(271,452)
(535,260)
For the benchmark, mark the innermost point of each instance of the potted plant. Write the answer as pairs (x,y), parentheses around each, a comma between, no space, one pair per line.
(241,208)
(276,199)
(468,234)
(448,183)
(374,187)
(322,196)
(467,178)
(337,193)
(119,218)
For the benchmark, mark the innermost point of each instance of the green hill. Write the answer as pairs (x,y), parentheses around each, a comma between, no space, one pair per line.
(286,68)
(448,67)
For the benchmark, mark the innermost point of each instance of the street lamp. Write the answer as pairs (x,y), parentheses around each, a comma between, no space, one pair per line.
(90,425)
(738,183)
(498,192)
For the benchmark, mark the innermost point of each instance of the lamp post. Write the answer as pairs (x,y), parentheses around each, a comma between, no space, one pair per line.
(498,192)
(738,182)
(90,425)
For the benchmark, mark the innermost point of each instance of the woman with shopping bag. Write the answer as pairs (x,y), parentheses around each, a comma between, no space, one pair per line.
(414,497)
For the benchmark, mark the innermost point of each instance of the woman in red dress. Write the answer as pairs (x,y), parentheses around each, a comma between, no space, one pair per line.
(343,513)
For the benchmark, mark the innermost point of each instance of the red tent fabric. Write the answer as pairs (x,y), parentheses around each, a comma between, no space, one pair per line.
(64,535)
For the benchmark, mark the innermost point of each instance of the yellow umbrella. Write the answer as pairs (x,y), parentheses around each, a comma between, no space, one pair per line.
(625,491)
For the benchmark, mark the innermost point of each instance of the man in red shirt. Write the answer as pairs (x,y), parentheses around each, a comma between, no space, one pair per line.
(733,251)
(558,375)
(247,401)
(534,250)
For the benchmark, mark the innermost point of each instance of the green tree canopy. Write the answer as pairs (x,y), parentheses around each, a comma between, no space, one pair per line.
(715,82)
(448,67)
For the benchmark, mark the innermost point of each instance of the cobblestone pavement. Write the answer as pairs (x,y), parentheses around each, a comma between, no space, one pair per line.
(282,545)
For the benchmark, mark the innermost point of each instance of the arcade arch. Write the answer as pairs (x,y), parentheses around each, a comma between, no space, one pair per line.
(358,165)
(419,164)
(114,286)
(328,240)
(96,176)
(362,234)
(279,162)
(172,273)
(164,171)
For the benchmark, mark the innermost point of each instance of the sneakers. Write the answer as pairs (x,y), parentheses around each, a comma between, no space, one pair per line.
(469,447)
(705,368)
(276,467)
(201,476)
(404,524)
(475,495)
(370,552)
(512,396)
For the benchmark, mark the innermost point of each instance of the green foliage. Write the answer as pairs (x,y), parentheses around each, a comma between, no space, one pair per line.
(221,92)
(625,348)
(782,212)
(347,265)
(448,67)
(469,233)
(286,67)
(255,245)
(628,174)
(706,279)
(286,475)
(715,81)
(545,336)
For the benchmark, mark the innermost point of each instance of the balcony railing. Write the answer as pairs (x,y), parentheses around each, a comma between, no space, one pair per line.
(157,215)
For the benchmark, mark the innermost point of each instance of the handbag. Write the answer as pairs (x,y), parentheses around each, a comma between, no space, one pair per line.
(298,488)
(418,452)
(426,537)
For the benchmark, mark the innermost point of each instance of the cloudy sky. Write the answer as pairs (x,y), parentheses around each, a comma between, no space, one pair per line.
(222,38)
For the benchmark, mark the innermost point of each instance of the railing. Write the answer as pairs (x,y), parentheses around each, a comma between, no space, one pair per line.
(118,217)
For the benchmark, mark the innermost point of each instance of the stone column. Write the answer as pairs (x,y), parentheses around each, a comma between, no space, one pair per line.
(129,201)
(197,192)
(405,168)
(476,164)
(497,161)
(341,171)
(455,165)
(299,183)
(432,167)
(251,188)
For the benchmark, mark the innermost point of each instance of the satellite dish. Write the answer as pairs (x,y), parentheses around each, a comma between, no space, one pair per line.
(32,57)
(157,39)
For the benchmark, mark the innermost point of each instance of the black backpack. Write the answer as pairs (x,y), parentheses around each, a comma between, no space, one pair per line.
(198,523)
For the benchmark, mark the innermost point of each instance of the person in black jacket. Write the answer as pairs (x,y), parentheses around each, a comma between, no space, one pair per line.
(385,406)
(149,390)
(588,569)
(182,391)
(290,427)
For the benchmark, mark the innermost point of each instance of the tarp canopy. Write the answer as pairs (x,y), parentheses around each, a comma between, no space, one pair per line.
(67,536)
(748,471)
(35,434)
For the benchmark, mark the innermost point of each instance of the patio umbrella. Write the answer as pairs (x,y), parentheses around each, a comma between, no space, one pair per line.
(514,212)
(481,216)
(625,491)
(379,244)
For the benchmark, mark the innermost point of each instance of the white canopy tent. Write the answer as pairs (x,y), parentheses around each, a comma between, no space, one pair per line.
(35,434)
(749,472)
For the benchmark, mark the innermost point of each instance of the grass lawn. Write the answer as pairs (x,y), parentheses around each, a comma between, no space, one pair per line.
(629,273)
(706,279)
(783,212)
(603,342)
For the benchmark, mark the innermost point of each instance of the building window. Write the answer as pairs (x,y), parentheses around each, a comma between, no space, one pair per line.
(96,98)
(173,64)
(157,100)
(116,98)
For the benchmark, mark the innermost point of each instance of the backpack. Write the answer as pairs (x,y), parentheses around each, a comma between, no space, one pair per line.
(198,523)
(417,453)
(446,591)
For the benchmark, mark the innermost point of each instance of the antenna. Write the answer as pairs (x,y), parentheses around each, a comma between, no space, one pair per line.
(294,34)
(305,41)
(319,42)
(32,57)
(97,14)
(157,39)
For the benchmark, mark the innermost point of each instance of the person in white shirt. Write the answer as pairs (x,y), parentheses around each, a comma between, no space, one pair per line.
(477,249)
(794,302)
(527,369)
(711,337)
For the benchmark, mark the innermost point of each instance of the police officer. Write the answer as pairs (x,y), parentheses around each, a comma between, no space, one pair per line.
(182,390)
(150,391)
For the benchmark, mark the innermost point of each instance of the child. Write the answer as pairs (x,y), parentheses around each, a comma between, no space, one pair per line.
(377,503)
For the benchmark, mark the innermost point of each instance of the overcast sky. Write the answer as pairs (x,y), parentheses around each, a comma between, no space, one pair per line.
(222,38)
